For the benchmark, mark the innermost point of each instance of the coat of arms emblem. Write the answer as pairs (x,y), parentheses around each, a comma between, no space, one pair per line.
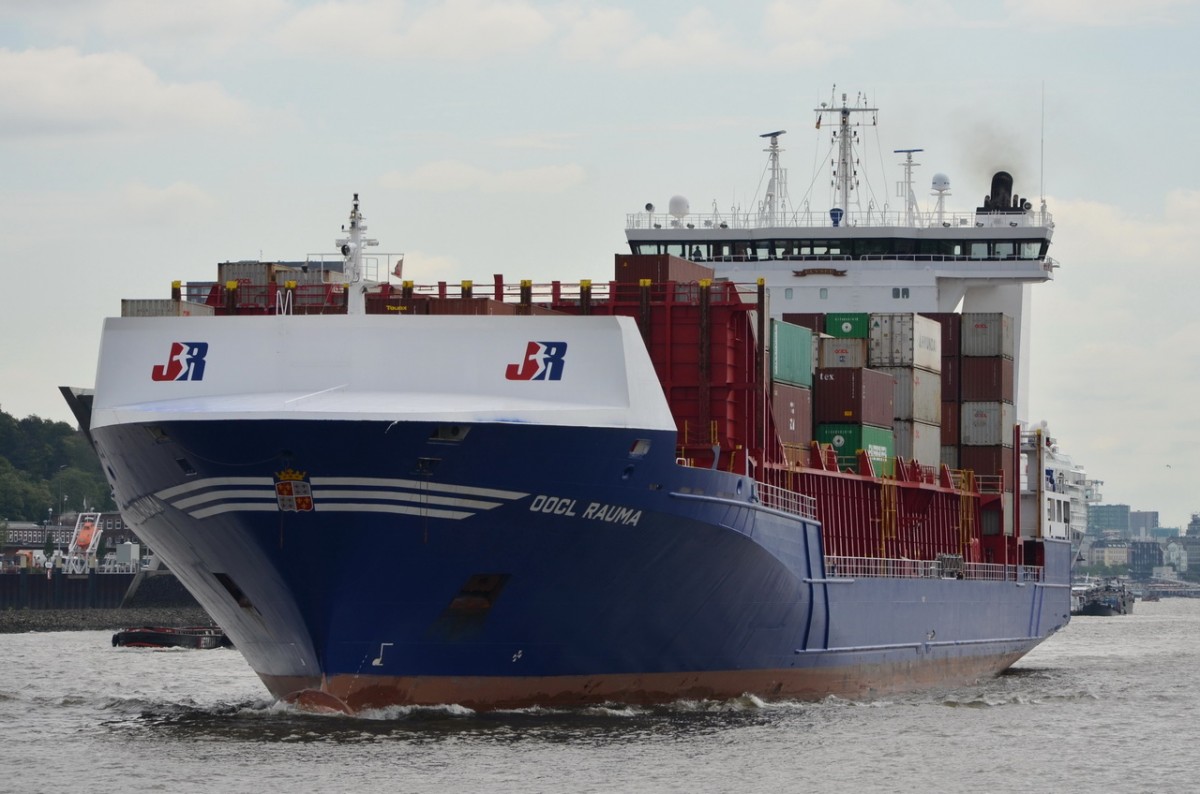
(293,491)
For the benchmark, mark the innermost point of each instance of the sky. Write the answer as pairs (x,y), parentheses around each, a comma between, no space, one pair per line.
(143,141)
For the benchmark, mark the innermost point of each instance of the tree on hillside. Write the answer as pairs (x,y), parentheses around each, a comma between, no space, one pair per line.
(42,461)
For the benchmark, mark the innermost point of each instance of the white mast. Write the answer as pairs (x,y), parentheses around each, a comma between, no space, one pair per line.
(905,189)
(845,174)
(773,204)
(351,248)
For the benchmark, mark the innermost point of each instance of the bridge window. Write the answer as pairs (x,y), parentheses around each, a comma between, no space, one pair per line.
(1005,250)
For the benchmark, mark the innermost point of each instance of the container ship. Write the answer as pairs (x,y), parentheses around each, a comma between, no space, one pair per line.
(773,454)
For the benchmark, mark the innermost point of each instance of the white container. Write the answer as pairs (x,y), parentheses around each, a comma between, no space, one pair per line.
(163,307)
(918,441)
(986,334)
(950,456)
(986,424)
(838,352)
(904,339)
(918,394)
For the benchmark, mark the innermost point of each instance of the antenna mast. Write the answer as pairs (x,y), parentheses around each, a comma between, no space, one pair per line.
(772,207)
(844,174)
(351,248)
(905,188)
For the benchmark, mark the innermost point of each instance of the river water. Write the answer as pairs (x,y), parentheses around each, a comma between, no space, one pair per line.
(1109,704)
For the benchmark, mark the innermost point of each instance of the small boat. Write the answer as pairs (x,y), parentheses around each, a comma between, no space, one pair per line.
(197,637)
(1106,599)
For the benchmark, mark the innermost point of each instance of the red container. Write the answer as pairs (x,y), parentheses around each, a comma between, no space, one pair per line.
(791,408)
(951,422)
(987,379)
(951,378)
(951,331)
(989,462)
(853,395)
(632,268)
(816,322)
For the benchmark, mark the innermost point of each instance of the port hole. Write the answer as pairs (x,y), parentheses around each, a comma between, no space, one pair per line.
(186,467)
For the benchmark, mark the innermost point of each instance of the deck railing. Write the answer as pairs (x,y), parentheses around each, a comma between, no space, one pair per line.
(945,568)
(788,501)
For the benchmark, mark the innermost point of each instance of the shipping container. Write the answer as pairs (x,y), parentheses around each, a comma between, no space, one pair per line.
(949,453)
(259,274)
(853,395)
(986,424)
(904,339)
(987,379)
(848,325)
(839,352)
(163,307)
(473,306)
(847,439)
(994,462)
(797,455)
(811,320)
(632,268)
(791,410)
(918,395)
(951,422)
(987,334)
(951,328)
(918,441)
(951,378)
(791,354)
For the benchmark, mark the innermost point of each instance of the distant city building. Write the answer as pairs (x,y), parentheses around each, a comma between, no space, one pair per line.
(1175,555)
(1144,557)
(1193,527)
(1109,553)
(1108,520)
(1165,533)
(1142,523)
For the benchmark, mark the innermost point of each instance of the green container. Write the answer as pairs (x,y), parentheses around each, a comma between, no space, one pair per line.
(847,440)
(791,354)
(848,325)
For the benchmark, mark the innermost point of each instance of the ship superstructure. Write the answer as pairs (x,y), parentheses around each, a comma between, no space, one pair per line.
(851,256)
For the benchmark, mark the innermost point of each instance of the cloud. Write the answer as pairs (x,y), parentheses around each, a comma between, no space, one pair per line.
(178,203)
(184,29)
(62,93)
(459,30)
(1044,14)
(449,176)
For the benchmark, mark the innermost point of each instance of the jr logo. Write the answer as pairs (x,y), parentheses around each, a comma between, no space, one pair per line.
(186,362)
(543,361)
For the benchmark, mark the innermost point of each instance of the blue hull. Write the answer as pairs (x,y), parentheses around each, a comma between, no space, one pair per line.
(522,564)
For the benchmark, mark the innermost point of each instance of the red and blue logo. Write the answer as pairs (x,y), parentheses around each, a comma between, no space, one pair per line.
(543,361)
(185,362)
